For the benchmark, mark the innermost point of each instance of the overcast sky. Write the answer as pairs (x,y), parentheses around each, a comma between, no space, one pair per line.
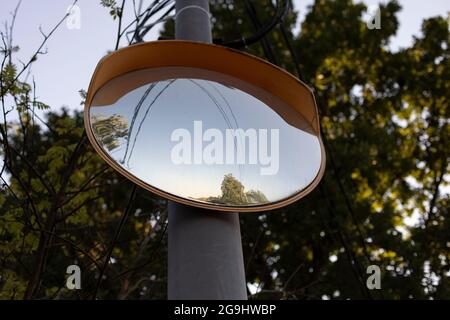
(74,53)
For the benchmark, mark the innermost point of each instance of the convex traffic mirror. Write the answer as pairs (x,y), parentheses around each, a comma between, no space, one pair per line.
(205,125)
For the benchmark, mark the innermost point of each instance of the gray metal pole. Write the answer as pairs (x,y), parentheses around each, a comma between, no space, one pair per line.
(205,251)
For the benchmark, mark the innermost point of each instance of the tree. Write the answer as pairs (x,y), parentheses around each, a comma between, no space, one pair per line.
(384,118)
(62,205)
(109,130)
(233,193)
(232,190)
(256,197)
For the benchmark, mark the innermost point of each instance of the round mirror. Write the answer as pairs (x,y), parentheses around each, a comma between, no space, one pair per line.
(205,136)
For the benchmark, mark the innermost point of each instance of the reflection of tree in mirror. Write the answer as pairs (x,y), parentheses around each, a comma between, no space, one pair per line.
(233,193)
(108,130)
(232,190)
(256,197)
(136,113)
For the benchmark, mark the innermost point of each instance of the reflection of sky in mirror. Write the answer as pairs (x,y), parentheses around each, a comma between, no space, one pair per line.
(169,105)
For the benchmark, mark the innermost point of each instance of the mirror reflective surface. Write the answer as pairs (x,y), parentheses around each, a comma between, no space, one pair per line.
(206,141)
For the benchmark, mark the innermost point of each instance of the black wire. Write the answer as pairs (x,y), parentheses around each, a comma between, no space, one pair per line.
(268,27)
(346,198)
(251,11)
(343,238)
(141,30)
(292,51)
(116,236)
(140,24)
(281,13)
(328,147)
(140,36)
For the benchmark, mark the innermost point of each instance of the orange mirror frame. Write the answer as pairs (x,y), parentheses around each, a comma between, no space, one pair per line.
(289,97)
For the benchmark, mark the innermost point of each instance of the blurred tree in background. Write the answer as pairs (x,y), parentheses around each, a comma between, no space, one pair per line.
(385,124)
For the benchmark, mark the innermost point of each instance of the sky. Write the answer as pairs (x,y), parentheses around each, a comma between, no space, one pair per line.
(73,53)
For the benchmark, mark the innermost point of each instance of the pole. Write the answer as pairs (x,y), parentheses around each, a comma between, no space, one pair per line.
(205,258)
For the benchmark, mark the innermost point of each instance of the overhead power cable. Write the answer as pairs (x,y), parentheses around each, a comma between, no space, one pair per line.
(251,11)
(329,150)
(278,18)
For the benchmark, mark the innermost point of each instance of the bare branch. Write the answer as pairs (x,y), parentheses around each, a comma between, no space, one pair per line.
(39,49)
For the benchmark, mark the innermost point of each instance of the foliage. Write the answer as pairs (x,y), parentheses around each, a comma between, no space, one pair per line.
(109,130)
(114,10)
(233,193)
